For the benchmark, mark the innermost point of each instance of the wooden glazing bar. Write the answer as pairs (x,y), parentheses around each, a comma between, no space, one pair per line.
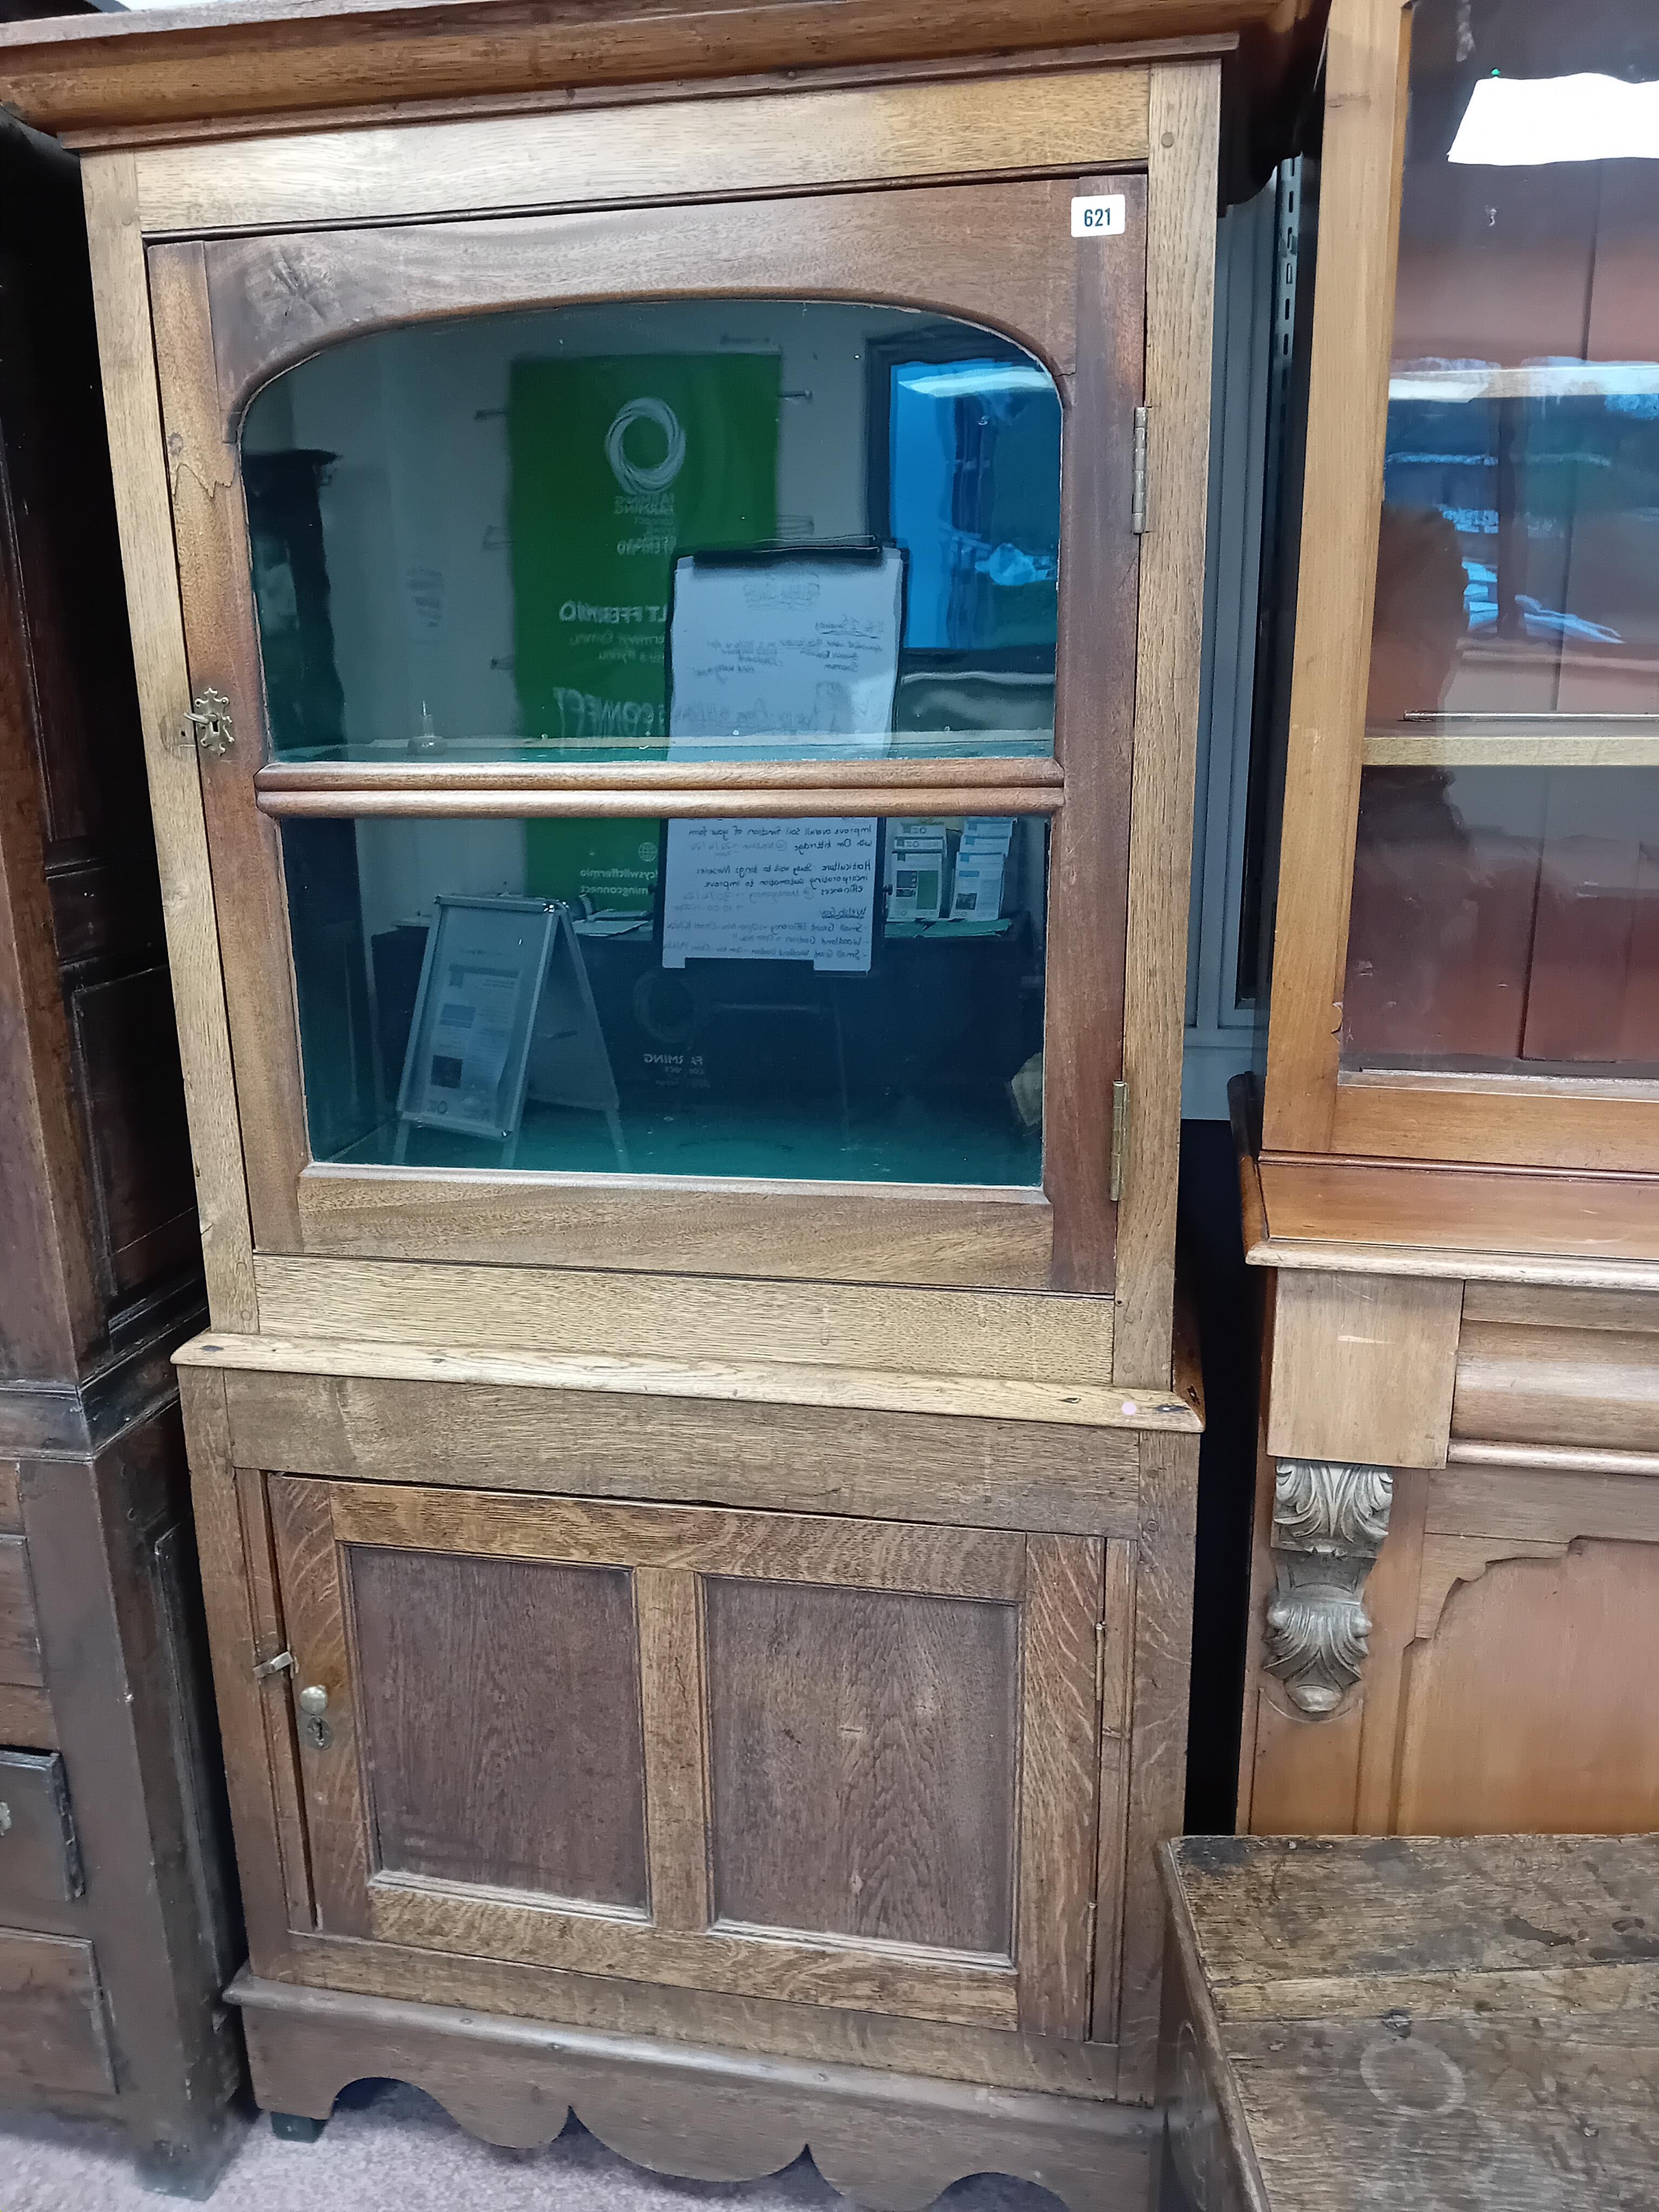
(506,773)
(588,803)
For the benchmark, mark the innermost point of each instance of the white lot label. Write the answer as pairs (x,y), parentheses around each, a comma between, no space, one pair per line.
(1101,218)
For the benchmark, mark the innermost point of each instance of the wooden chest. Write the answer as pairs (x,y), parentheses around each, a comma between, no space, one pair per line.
(1421,2026)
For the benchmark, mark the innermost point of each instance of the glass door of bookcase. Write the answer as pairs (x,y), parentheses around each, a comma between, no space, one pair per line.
(684,796)
(1504,925)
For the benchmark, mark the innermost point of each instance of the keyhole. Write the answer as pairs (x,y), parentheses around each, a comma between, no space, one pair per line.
(318,1734)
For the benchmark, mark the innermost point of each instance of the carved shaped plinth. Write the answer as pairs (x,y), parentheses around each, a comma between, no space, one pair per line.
(1329,1521)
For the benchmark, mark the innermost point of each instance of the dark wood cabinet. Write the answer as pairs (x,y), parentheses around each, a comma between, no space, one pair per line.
(117,1899)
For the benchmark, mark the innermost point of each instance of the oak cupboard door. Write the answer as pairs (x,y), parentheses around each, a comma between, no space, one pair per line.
(772,1754)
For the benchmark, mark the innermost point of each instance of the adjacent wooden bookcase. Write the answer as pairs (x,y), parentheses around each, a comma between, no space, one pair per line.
(118,1913)
(710,1648)
(1452,1176)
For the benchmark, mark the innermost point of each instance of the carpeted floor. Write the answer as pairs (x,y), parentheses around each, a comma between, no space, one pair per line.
(392,2149)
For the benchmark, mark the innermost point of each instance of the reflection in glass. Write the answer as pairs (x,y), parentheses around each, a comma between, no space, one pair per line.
(1506,873)
(509,510)
(845,1001)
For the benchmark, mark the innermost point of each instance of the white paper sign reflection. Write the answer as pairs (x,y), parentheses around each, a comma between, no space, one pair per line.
(771,891)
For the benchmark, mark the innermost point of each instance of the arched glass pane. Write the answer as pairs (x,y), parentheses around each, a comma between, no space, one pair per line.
(710,530)
(728,528)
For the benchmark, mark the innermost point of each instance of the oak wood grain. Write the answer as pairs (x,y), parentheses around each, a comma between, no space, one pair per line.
(696,2110)
(1158,1769)
(313,1604)
(980,1562)
(1363,1368)
(969,1237)
(27,1719)
(1182,127)
(138,461)
(53,2035)
(1059,1776)
(275,1697)
(1014,1336)
(1448,1561)
(898,1717)
(1583,1130)
(1543,1506)
(1095,688)
(280,779)
(766,1454)
(1527,1305)
(1527,1705)
(758,142)
(1523,2063)
(1361,165)
(278,297)
(1558,1459)
(1331,1910)
(675,1721)
(864,1976)
(1066,1405)
(999,2057)
(497,1705)
(1523,1384)
(246,61)
(270,1876)
(20,1624)
(210,535)
(730,802)
(1117,1633)
(1573,1231)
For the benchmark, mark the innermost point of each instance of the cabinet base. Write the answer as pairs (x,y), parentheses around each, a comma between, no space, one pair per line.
(892,2142)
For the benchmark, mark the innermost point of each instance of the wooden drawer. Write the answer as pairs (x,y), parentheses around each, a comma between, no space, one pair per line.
(52,2034)
(19,1633)
(38,1858)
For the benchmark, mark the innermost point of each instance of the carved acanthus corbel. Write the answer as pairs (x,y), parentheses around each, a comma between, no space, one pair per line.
(1329,1521)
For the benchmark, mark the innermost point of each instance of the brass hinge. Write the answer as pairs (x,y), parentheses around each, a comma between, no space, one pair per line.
(1138,499)
(1119,1138)
(282,1664)
(208,723)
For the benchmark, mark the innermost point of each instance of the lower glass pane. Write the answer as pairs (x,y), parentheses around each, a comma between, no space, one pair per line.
(844,999)
(1506,919)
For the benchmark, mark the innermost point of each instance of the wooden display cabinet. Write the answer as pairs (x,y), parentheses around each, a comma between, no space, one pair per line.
(695,1488)
(1455,1174)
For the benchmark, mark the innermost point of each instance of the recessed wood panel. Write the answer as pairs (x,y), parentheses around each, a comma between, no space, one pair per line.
(52,2035)
(885,1727)
(128,1052)
(1531,1707)
(20,1630)
(499,1708)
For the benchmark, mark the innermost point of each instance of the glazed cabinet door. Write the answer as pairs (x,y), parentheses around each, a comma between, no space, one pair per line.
(681,672)
(844,1763)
